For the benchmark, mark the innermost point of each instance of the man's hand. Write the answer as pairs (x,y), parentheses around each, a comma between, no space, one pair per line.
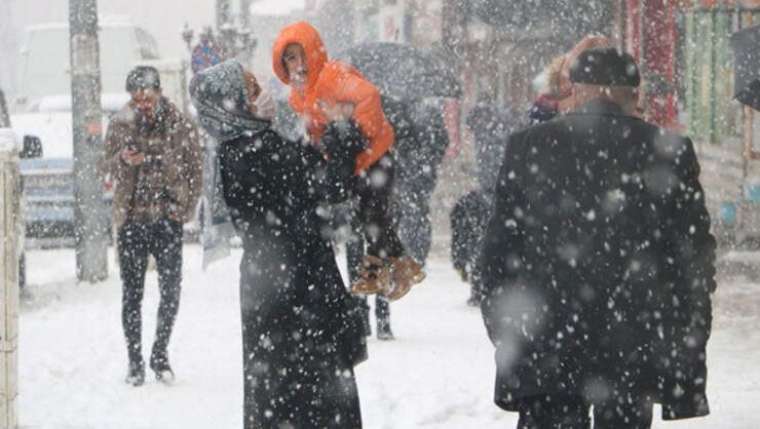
(176,217)
(132,157)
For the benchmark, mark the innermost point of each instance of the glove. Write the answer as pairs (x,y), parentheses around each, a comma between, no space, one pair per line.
(342,142)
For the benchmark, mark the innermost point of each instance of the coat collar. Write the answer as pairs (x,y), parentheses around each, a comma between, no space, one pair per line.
(600,107)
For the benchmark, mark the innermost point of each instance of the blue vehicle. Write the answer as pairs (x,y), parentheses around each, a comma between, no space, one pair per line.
(49,201)
(48,179)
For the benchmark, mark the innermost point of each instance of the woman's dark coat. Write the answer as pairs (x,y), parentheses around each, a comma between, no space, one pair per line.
(301,335)
(300,339)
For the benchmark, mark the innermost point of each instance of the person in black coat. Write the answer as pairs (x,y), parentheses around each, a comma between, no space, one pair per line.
(301,338)
(419,150)
(598,264)
(490,127)
(468,221)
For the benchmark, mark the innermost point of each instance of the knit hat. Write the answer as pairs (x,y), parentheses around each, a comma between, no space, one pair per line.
(143,77)
(605,67)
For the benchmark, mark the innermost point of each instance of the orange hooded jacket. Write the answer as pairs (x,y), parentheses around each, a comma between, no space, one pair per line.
(333,82)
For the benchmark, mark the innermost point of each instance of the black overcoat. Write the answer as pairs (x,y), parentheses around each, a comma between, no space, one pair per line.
(598,263)
(301,335)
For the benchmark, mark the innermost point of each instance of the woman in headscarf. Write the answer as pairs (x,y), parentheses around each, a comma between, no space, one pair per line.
(301,338)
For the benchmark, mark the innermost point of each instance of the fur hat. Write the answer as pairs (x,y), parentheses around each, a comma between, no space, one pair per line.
(605,67)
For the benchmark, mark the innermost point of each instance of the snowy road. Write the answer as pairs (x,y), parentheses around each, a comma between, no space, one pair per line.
(437,374)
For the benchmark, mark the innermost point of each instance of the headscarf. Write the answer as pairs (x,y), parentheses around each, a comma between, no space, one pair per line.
(220,97)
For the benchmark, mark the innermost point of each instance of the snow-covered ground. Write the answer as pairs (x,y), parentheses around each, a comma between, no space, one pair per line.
(437,374)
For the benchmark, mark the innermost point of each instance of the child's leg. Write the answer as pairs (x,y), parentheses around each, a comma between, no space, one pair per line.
(374,193)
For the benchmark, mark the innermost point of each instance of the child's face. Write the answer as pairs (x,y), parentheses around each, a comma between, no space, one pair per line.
(295,63)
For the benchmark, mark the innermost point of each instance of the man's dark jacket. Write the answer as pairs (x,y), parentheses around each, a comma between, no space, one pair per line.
(598,263)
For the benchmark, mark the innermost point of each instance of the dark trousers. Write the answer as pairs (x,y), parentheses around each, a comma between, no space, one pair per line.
(373,190)
(355,255)
(573,412)
(163,240)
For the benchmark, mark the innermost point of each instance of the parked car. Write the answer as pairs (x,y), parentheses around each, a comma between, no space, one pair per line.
(122,45)
(30,147)
(48,179)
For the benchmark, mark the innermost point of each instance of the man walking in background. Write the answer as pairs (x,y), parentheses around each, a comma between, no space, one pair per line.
(154,159)
(598,263)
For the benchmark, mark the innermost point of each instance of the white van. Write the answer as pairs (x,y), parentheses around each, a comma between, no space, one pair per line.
(44,66)
(44,110)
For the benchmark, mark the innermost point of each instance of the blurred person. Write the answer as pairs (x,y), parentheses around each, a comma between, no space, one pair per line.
(418,153)
(598,263)
(554,94)
(490,127)
(468,220)
(546,105)
(324,92)
(301,337)
(421,142)
(154,159)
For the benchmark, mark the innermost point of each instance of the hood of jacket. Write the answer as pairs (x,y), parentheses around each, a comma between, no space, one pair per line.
(306,35)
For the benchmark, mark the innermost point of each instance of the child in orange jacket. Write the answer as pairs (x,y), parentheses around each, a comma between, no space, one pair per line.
(325,93)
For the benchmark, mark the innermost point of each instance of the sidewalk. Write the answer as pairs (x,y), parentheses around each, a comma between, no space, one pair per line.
(437,374)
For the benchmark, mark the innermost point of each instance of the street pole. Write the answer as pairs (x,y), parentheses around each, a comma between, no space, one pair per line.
(245,14)
(223,14)
(90,212)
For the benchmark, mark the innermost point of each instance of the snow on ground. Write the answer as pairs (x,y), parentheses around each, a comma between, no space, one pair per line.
(437,374)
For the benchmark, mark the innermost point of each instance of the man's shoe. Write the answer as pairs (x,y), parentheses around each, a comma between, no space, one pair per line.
(405,273)
(384,332)
(135,374)
(164,375)
(159,363)
(375,277)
